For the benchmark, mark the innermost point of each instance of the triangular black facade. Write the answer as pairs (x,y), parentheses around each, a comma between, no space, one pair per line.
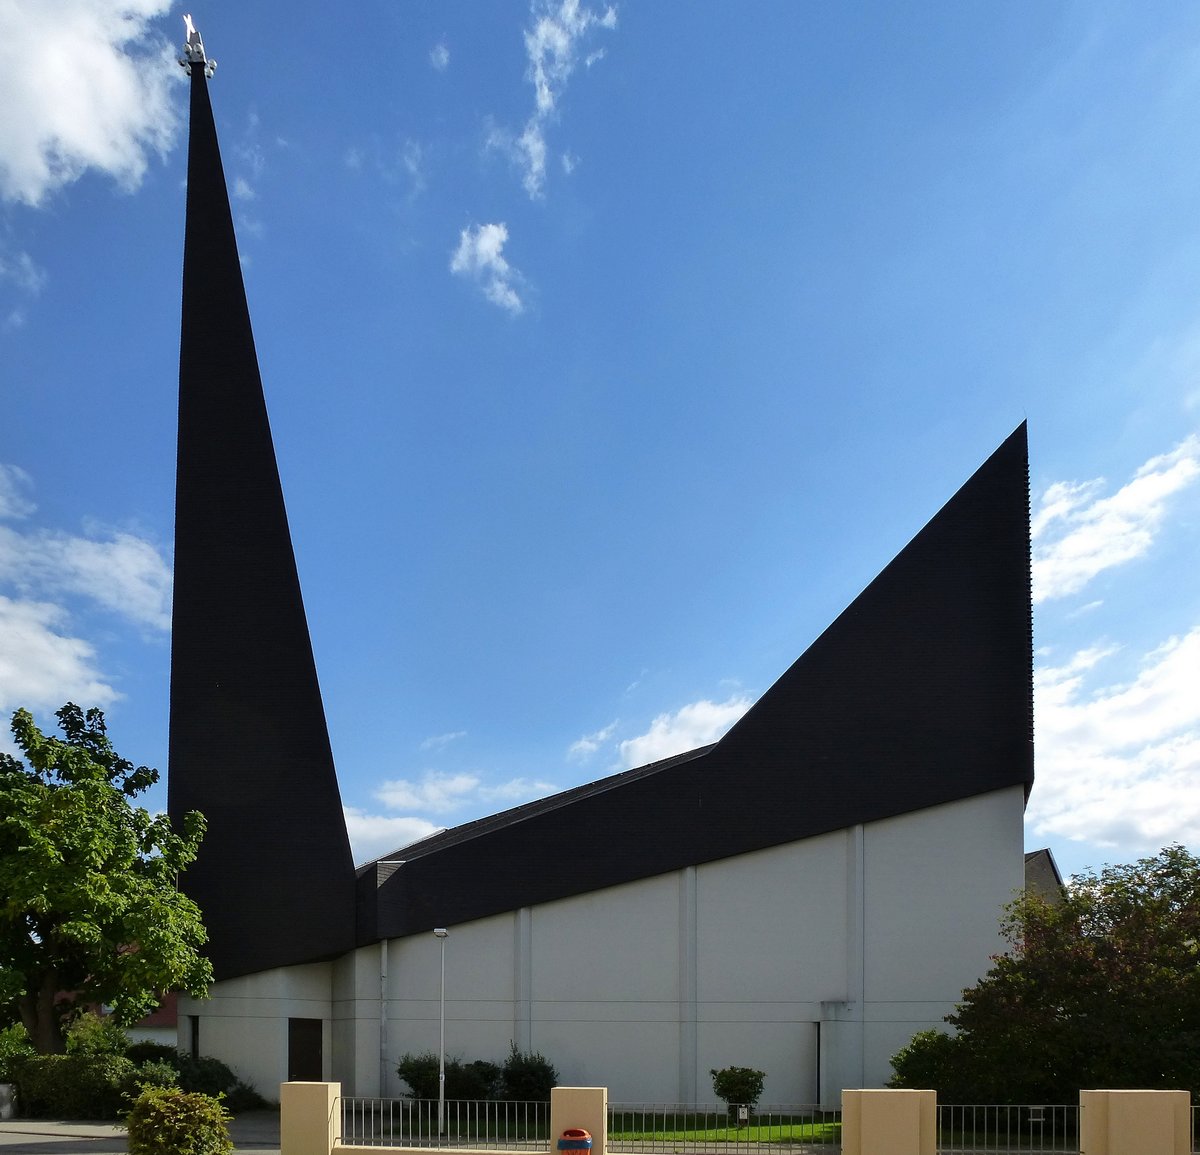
(920,693)
(248,741)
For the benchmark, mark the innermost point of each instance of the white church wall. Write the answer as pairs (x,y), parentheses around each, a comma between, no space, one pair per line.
(244,1021)
(870,932)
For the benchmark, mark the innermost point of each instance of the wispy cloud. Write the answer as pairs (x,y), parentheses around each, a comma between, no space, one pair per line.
(15,487)
(693,725)
(439,58)
(586,746)
(433,792)
(480,258)
(84,86)
(553,43)
(43,573)
(372,835)
(1118,764)
(441,741)
(1078,533)
(21,270)
(121,572)
(517,790)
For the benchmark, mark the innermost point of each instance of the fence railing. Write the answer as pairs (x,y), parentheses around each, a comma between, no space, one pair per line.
(659,1128)
(984,1129)
(655,1128)
(481,1123)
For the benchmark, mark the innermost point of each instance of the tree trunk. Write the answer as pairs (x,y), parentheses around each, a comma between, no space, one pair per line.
(42,1017)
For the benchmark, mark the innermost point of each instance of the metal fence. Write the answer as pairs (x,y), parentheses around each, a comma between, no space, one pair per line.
(659,1128)
(485,1123)
(982,1130)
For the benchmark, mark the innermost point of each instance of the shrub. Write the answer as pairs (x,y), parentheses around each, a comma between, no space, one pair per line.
(168,1121)
(738,1086)
(93,1034)
(203,1075)
(156,1073)
(475,1080)
(527,1078)
(144,1052)
(75,1086)
(14,1048)
(420,1072)
(478,1079)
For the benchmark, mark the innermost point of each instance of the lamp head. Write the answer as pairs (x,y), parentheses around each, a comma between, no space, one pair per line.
(440,931)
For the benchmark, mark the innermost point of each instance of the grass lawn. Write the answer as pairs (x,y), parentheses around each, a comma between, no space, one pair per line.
(682,1127)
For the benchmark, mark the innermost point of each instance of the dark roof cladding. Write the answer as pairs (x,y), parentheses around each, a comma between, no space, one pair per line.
(921,692)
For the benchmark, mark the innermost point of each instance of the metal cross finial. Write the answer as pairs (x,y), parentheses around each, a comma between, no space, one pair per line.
(193,50)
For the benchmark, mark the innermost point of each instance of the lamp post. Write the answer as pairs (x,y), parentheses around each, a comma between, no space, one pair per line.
(440,932)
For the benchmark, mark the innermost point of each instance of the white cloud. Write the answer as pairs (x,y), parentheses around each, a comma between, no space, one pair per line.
(441,741)
(23,272)
(124,574)
(1118,765)
(242,189)
(1078,533)
(14,482)
(373,835)
(586,746)
(41,666)
(480,258)
(84,84)
(517,790)
(439,58)
(694,725)
(435,792)
(553,42)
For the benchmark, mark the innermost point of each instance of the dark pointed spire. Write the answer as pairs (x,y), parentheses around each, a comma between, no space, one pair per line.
(248,742)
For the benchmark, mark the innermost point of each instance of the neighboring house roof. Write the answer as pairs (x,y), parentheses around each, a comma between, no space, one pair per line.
(1042,876)
(920,693)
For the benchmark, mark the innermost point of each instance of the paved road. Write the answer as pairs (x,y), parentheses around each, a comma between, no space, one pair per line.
(255,1132)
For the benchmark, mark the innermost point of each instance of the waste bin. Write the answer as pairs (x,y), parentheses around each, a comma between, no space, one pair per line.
(575,1139)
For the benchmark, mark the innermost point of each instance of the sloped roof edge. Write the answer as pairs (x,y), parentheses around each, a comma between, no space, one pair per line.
(919,693)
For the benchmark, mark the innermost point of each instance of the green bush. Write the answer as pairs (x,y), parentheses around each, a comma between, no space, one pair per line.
(93,1034)
(203,1075)
(14,1048)
(475,1080)
(168,1121)
(144,1052)
(75,1086)
(156,1073)
(527,1078)
(738,1086)
(420,1072)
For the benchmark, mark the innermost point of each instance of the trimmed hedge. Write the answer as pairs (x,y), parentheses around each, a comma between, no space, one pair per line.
(75,1086)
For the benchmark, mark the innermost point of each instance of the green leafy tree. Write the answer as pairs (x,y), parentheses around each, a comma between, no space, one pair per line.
(89,907)
(1100,990)
(738,1086)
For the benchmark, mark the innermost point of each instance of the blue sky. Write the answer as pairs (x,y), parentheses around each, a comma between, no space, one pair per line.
(610,352)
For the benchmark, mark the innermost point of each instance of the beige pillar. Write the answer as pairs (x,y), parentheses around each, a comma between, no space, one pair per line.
(308,1118)
(1135,1123)
(889,1122)
(585,1107)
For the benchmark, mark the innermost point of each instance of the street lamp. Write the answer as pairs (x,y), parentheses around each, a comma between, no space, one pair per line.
(440,932)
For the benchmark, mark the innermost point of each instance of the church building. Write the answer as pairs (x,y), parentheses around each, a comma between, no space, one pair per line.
(801,896)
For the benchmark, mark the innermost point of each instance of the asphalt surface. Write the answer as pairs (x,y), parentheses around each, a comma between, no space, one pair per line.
(252,1131)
